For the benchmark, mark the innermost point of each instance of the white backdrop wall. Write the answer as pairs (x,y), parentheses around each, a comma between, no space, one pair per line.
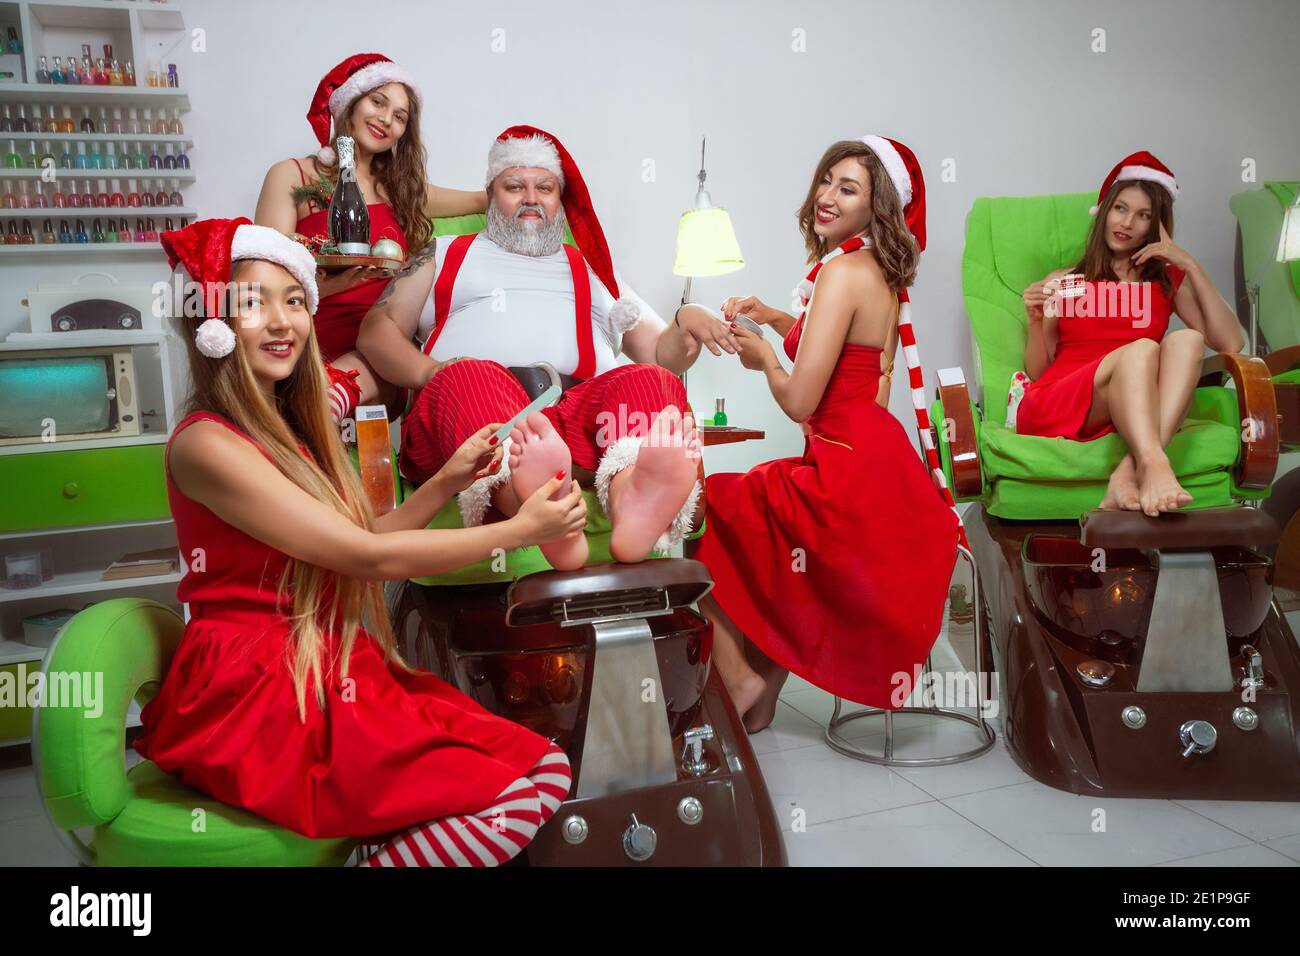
(1011,93)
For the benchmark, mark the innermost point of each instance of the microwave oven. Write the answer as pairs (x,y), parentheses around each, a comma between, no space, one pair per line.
(64,395)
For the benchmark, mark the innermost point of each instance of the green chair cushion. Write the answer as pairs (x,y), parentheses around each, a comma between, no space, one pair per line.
(165,823)
(1049,501)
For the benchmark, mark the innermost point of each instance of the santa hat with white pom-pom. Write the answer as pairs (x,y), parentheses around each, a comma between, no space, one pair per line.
(355,76)
(1138,166)
(208,249)
(533,148)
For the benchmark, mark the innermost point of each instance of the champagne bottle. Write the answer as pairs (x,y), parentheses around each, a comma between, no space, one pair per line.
(349,219)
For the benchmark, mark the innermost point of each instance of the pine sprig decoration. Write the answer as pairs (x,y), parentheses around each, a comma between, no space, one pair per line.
(318,193)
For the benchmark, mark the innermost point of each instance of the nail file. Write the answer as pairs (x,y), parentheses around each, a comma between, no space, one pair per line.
(544,400)
(747,323)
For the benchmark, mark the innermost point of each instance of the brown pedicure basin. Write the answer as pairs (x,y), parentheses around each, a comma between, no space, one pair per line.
(1142,657)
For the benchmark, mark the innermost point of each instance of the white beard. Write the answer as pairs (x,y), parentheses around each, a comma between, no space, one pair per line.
(525,238)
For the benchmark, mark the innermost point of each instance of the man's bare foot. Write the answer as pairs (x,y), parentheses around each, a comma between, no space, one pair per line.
(745,691)
(537,453)
(763,712)
(645,497)
(1158,487)
(1122,489)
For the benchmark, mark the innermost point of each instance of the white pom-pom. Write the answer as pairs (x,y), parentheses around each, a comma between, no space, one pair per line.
(215,338)
(804,289)
(1093,210)
(624,315)
(327,155)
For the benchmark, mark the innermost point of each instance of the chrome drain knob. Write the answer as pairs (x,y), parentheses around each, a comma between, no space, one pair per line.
(690,811)
(639,841)
(1198,737)
(574,830)
(1245,718)
(1134,717)
(1096,673)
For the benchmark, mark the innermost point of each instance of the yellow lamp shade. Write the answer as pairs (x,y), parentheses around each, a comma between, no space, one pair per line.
(1288,245)
(706,244)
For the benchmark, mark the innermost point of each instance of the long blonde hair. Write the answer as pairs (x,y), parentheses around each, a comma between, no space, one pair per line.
(322,600)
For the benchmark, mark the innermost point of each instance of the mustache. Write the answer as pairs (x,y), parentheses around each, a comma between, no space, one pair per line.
(531,207)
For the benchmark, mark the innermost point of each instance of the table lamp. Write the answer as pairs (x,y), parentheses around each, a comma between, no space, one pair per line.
(1288,250)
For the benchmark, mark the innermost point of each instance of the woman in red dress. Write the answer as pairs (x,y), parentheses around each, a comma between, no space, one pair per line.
(1101,361)
(277,699)
(378,104)
(835,564)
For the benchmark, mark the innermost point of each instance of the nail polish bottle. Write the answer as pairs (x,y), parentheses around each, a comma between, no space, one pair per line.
(155,161)
(167,223)
(151,232)
(57,75)
(87,69)
(43,72)
(110,156)
(115,73)
(153,78)
(73,198)
(182,159)
(133,194)
(65,236)
(65,158)
(102,198)
(8,200)
(24,197)
(60,199)
(89,199)
(33,160)
(96,157)
(47,234)
(47,156)
(38,123)
(101,72)
(115,124)
(97,231)
(173,78)
(176,198)
(123,231)
(12,159)
(139,230)
(71,75)
(81,235)
(128,74)
(6,120)
(102,125)
(108,52)
(138,159)
(110,232)
(169,161)
(81,160)
(20,124)
(87,124)
(11,234)
(160,197)
(146,197)
(67,124)
(116,198)
(132,120)
(27,239)
(48,125)
(147,126)
(40,200)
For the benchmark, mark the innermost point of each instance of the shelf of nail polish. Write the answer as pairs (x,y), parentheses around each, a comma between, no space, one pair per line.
(138,96)
(36,119)
(97,137)
(81,249)
(84,211)
(143,157)
(172,175)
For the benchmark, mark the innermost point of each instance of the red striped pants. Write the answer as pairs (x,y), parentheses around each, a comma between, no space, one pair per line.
(470,393)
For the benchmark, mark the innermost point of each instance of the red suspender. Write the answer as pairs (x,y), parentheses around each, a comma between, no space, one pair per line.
(582,311)
(446,281)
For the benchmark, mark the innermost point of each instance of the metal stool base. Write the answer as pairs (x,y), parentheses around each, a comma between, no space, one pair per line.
(887,758)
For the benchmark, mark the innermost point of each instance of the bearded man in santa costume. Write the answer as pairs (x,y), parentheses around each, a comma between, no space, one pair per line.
(516,304)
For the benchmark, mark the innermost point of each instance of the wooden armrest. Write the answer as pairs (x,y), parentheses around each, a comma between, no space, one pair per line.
(1283,360)
(1257,411)
(963,447)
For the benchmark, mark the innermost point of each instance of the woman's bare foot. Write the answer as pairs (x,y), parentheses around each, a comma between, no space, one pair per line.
(1158,487)
(1122,489)
(645,497)
(745,691)
(763,711)
(537,453)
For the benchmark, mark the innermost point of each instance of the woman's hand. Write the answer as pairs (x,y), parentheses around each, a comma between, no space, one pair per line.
(702,328)
(541,520)
(1036,297)
(750,307)
(328,283)
(479,456)
(756,352)
(1166,250)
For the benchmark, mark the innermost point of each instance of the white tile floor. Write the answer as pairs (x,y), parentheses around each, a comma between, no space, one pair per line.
(835,811)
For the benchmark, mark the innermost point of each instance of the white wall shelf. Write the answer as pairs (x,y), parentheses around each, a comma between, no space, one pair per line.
(59,94)
(94,212)
(82,529)
(84,582)
(73,249)
(99,138)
